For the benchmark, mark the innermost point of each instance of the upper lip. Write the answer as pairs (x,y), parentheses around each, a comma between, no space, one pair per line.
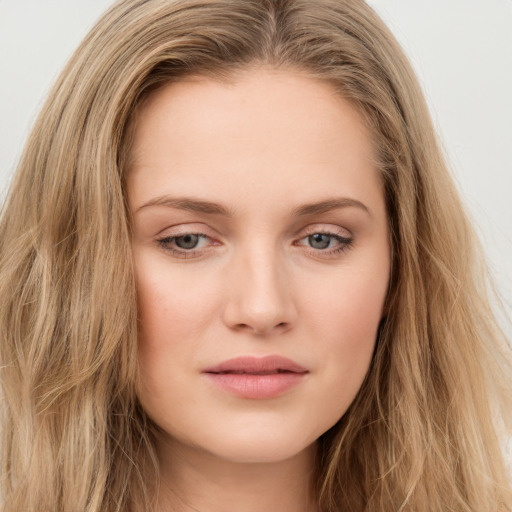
(257,365)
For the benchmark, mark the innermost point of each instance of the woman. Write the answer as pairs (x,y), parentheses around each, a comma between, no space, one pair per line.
(236,275)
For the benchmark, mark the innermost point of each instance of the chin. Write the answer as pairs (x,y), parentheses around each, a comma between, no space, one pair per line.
(258,444)
(260,451)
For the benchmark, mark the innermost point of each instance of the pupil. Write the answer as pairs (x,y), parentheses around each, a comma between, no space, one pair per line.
(187,241)
(319,241)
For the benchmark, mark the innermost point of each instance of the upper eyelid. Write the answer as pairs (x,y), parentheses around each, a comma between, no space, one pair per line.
(308,230)
(330,231)
(173,236)
(342,234)
(312,228)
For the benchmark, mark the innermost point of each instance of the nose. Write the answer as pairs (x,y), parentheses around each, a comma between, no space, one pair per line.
(259,295)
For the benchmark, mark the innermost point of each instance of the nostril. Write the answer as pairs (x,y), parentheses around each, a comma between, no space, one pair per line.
(280,326)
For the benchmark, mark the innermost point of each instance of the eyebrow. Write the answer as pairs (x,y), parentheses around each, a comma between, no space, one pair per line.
(328,205)
(199,206)
(189,204)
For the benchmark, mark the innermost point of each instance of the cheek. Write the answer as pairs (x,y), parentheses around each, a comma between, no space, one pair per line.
(174,313)
(171,306)
(345,320)
(348,304)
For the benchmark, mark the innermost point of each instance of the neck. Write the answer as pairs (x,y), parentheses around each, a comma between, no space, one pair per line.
(193,480)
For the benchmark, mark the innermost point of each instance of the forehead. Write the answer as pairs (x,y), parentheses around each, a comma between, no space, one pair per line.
(263,129)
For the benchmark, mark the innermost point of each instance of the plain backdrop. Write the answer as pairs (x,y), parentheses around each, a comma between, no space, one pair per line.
(460,49)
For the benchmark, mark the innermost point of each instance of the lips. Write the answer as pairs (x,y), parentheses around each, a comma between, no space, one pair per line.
(256,377)
(257,365)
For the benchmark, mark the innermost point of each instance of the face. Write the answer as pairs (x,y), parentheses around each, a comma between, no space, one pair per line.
(262,261)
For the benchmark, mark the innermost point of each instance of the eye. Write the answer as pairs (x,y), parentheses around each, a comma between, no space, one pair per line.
(320,240)
(326,242)
(189,245)
(184,245)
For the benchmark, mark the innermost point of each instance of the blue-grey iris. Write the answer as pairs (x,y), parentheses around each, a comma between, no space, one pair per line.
(319,240)
(188,241)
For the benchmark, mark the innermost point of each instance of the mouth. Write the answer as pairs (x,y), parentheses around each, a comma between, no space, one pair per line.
(243,372)
(267,365)
(256,378)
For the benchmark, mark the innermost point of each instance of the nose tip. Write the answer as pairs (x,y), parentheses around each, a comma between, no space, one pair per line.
(261,310)
(260,300)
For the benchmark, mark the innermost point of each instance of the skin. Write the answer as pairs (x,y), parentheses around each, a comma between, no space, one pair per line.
(261,145)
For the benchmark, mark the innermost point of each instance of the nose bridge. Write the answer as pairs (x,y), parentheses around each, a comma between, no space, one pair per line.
(260,298)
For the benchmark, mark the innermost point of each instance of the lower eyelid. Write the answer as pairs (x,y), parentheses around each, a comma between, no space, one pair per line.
(164,243)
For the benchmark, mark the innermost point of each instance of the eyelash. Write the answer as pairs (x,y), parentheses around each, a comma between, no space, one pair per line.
(345,244)
(179,253)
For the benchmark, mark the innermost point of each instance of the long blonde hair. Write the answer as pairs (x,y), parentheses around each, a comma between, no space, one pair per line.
(423,432)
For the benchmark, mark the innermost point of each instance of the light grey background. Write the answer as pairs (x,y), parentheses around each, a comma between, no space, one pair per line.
(461,50)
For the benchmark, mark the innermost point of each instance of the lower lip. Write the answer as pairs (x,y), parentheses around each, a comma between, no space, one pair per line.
(256,387)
